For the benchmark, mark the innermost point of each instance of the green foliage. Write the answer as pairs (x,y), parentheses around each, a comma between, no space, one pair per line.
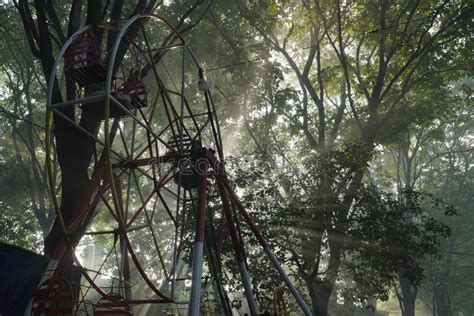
(389,238)
(17,222)
(313,180)
(384,236)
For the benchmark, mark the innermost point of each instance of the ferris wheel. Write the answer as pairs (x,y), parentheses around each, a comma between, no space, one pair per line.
(152,216)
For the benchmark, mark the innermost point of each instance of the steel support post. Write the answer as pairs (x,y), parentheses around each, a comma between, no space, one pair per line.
(237,249)
(265,246)
(195,302)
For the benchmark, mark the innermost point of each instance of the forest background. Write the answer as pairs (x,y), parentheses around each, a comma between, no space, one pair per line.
(347,126)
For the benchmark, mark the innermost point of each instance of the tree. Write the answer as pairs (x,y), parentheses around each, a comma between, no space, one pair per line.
(449,176)
(318,88)
(414,152)
(360,64)
(25,201)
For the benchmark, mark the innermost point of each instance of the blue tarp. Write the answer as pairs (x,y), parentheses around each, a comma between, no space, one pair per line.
(20,272)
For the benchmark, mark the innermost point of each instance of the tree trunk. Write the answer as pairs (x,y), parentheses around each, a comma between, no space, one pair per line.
(408,297)
(320,301)
(441,301)
(74,154)
(320,291)
(441,295)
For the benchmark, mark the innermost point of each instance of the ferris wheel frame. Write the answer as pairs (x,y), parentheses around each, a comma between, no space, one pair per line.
(210,160)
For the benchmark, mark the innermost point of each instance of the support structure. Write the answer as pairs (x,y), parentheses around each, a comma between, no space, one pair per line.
(156,166)
(194,304)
